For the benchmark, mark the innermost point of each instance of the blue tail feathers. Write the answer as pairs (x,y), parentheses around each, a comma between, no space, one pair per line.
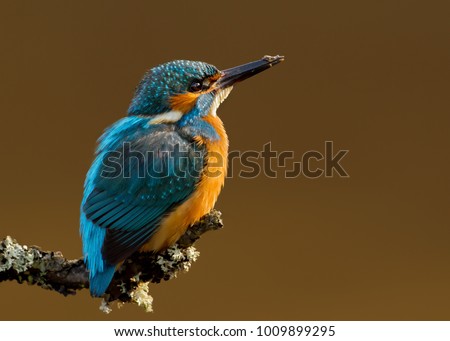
(99,282)
(100,272)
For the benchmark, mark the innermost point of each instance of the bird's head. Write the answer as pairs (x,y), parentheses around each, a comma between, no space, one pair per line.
(183,91)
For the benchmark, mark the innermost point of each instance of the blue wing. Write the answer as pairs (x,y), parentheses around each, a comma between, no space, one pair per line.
(140,173)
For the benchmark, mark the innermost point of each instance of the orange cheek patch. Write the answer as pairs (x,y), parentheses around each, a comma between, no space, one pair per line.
(183,102)
(216,77)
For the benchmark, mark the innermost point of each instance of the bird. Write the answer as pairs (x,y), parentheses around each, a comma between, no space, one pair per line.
(159,169)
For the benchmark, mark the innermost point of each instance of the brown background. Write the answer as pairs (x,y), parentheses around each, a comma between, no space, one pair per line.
(371,76)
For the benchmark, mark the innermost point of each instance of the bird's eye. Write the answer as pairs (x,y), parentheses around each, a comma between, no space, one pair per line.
(196,86)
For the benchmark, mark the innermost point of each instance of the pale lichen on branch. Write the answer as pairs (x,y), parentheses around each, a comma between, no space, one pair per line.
(50,270)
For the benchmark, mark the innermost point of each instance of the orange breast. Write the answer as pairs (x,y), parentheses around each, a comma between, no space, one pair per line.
(204,197)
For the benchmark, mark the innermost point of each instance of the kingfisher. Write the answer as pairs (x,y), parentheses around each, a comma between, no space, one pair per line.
(161,168)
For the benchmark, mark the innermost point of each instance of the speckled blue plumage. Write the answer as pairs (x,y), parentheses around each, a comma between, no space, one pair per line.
(152,95)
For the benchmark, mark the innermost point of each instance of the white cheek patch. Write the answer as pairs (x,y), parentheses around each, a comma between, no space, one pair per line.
(167,117)
(221,95)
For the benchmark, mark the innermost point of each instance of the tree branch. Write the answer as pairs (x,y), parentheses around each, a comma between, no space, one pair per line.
(50,270)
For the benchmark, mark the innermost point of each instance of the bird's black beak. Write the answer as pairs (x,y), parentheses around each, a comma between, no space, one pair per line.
(241,72)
